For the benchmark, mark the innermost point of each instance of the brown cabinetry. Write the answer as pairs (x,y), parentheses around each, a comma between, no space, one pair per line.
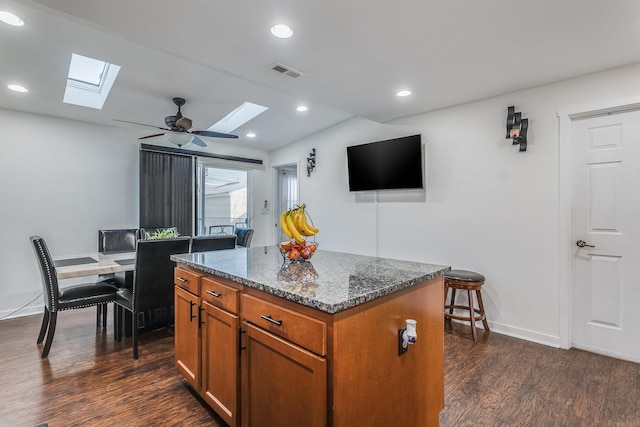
(277,374)
(187,336)
(207,340)
(279,363)
(220,361)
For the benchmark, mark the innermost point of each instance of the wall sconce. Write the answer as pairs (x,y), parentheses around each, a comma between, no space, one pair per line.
(517,128)
(311,161)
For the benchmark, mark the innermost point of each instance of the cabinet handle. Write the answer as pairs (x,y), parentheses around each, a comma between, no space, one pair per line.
(182,280)
(269,319)
(191,315)
(214,294)
(201,318)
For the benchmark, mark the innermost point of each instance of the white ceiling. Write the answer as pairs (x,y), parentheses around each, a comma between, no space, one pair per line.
(354,54)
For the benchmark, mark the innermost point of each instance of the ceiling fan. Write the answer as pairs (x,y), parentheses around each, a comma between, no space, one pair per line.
(177,129)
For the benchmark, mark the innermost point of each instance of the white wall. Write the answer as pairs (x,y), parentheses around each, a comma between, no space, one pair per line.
(64,180)
(486,208)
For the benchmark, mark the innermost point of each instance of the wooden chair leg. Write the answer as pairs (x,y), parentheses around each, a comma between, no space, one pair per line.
(472,316)
(446,293)
(53,317)
(45,324)
(482,313)
(453,299)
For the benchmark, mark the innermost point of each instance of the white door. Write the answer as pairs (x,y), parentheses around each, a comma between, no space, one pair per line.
(606,234)
(286,194)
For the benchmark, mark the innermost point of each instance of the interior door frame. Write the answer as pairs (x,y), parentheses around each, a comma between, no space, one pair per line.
(565,244)
(275,213)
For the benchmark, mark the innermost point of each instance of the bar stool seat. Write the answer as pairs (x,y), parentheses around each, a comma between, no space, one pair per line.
(468,281)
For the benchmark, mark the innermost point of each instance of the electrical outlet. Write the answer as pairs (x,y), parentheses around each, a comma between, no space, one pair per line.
(402,348)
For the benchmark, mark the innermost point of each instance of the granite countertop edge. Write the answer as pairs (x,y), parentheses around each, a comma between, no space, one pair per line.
(327,308)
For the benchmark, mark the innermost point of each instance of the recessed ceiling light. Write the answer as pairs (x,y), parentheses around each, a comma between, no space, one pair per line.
(251,135)
(403,93)
(18,88)
(302,108)
(281,31)
(11,19)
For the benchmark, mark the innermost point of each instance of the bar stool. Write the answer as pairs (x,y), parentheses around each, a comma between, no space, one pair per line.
(465,281)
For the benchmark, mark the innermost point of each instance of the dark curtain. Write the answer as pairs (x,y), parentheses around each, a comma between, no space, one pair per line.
(166,191)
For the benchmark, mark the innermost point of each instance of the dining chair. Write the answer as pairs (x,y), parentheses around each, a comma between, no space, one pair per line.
(213,243)
(117,240)
(113,241)
(244,236)
(152,283)
(58,299)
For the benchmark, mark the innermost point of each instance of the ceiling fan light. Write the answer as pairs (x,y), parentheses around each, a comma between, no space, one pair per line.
(281,31)
(178,138)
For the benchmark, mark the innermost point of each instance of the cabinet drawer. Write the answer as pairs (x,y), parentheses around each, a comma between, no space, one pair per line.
(187,280)
(297,328)
(220,295)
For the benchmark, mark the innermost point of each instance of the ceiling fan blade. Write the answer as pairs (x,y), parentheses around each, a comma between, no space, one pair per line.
(198,142)
(140,124)
(151,136)
(212,134)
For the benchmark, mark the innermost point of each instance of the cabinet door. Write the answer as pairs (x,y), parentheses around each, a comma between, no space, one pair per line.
(220,362)
(283,384)
(187,336)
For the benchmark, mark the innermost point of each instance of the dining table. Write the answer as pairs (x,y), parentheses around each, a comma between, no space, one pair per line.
(95,264)
(122,264)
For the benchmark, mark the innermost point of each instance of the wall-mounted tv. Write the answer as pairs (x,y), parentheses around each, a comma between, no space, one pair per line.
(386,165)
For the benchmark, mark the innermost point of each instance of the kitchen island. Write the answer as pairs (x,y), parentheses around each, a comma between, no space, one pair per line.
(313,343)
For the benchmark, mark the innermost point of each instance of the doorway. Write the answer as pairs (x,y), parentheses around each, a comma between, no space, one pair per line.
(605,233)
(286,194)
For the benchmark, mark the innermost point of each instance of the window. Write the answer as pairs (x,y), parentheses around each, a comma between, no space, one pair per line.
(89,81)
(222,199)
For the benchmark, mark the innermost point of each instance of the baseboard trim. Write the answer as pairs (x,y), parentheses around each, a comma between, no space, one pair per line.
(27,311)
(526,334)
(520,333)
(607,353)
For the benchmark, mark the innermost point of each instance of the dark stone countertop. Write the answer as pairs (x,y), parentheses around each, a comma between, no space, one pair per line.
(330,281)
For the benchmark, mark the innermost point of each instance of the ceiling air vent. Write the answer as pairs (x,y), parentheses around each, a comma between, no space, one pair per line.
(286,70)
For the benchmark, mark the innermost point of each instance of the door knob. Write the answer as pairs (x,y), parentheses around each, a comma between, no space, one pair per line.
(582,244)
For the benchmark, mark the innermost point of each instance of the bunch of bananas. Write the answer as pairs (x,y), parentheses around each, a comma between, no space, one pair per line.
(294,224)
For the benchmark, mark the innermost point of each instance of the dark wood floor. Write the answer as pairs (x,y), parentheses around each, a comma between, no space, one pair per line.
(89,380)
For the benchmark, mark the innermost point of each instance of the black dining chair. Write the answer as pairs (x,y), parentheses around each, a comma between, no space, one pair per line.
(152,283)
(213,243)
(113,241)
(244,236)
(58,299)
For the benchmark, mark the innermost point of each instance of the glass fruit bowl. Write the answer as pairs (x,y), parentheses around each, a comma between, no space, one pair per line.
(297,252)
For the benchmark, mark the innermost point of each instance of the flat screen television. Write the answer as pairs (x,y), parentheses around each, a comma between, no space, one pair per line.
(391,164)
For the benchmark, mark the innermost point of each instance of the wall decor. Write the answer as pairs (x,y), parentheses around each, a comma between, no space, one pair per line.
(517,128)
(311,161)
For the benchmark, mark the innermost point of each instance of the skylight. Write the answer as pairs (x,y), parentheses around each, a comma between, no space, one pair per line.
(89,81)
(238,117)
